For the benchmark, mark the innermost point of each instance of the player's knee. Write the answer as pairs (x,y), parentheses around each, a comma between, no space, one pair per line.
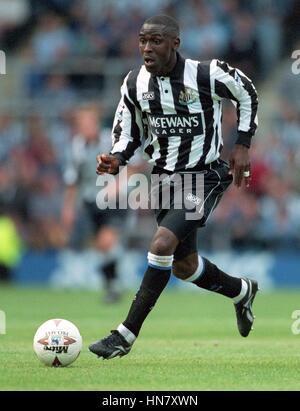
(184,269)
(162,246)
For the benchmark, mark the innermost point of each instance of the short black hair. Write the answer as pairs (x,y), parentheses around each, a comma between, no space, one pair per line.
(170,24)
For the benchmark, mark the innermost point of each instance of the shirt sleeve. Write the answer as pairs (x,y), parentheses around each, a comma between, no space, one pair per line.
(232,83)
(127,127)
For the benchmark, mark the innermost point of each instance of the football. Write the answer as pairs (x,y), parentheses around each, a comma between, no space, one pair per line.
(57,342)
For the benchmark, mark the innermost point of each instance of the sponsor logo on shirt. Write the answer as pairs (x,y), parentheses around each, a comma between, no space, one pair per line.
(175,125)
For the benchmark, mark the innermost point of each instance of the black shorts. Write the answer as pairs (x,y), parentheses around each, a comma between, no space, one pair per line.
(211,183)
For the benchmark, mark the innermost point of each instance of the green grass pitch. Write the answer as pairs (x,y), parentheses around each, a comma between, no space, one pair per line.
(189,342)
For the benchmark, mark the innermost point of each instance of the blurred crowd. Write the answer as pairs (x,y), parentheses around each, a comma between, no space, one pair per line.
(254,36)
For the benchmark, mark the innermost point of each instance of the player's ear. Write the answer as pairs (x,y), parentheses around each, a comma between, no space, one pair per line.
(176,43)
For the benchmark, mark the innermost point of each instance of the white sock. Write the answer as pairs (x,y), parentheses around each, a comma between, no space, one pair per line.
(198,272)
(242,294)
(127,334)
(162,262)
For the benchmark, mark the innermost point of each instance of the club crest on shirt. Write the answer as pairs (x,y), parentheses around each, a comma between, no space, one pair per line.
(187,96)
(149,95)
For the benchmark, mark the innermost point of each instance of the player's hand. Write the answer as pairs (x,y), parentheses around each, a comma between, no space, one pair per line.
(106,163)
(240,165)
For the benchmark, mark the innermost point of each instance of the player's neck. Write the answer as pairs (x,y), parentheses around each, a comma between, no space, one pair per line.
(170,66)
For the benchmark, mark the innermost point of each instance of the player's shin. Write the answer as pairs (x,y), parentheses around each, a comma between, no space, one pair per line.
(155,280)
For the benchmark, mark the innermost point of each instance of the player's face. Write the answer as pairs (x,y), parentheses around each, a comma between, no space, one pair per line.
(87,124)
(158,49)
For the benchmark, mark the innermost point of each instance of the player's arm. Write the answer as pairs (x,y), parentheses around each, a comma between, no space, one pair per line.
(68,213)
(126,134)
(233,84)
(71,181)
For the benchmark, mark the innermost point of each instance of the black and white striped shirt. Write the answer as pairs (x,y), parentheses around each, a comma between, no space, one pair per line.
(178,117)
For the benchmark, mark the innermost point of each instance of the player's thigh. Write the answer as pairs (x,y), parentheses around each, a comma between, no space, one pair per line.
(187,246)
(175,220)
